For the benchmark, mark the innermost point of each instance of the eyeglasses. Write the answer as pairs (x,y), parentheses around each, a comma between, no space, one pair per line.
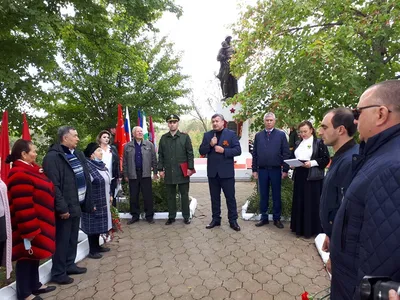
(357,111)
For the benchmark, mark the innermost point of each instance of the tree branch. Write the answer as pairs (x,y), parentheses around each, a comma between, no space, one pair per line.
(389,58)
(358,12)
(295,29)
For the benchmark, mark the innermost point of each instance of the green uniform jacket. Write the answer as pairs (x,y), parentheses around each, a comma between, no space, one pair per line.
(172,151)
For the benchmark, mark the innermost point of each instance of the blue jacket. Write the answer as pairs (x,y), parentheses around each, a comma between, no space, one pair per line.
(270,151)
(336,182)
(221,164)
(366,232)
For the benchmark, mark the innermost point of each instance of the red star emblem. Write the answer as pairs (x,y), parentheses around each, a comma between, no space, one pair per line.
(232,110)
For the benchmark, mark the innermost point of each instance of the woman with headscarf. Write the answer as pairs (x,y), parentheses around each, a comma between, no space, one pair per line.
(31,196)
(99,221)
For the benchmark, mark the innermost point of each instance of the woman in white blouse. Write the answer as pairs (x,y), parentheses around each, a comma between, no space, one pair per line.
(110,159)
(308,180)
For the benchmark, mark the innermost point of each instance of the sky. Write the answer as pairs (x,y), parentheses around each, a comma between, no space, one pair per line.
(198,34)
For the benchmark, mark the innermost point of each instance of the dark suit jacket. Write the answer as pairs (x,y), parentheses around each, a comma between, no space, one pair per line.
(221,164)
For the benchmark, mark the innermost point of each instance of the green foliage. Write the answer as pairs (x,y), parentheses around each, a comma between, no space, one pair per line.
(287,194)
(159,198)
(302,58)
(75,60)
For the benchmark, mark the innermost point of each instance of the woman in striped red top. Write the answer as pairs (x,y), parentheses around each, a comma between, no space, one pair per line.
(31,197)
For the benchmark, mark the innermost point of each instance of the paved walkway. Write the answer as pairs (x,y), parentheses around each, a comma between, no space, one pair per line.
(190,262)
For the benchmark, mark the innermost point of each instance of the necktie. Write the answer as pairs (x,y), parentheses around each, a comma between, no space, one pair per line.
(268,132)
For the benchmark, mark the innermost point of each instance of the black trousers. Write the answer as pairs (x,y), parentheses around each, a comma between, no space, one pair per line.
(27,277)
(135,187)
(66,244)
(94,245)
(227,185)
(2,245)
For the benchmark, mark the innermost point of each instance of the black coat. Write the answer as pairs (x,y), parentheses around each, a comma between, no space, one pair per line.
(59,171)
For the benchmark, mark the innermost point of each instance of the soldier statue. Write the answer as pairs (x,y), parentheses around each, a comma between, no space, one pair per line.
(229,84)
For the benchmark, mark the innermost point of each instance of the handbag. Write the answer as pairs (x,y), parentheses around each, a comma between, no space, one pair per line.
(315,173)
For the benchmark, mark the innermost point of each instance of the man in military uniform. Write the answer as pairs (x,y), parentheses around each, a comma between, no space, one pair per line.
(175,148)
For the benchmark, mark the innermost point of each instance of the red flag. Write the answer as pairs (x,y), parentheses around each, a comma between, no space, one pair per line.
(25,129)
(4,148)
(152,137)
(120,138)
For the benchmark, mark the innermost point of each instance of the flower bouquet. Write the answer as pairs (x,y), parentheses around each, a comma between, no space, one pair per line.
(324,294)
(116,221)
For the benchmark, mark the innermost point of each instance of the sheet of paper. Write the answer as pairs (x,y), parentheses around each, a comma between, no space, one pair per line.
(294,162)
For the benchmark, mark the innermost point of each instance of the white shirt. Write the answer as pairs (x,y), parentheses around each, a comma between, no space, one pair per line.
(304,151)
(107,160)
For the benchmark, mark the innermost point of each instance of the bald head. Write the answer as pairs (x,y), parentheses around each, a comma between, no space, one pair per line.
(379,109)
(386,93)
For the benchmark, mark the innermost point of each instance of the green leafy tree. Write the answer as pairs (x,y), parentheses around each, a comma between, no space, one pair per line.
(302,58)
(34,32)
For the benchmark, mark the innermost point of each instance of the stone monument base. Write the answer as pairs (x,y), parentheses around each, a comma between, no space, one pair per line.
(242,168)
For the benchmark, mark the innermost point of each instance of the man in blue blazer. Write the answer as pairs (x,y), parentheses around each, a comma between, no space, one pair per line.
(270,149)
(221,145)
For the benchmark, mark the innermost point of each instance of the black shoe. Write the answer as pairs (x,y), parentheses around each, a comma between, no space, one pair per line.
(169,221)
(76,271)
(186,221)
(48,289)
(235,226)
(62,280)
(95,255)
(37,298)
(262,223)
(278,224)
(133,220)
(103,249)
(213,224)
(150,221)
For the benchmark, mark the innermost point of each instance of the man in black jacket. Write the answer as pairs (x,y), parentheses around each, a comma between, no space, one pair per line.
(337,130)
(270,149)
(66,168)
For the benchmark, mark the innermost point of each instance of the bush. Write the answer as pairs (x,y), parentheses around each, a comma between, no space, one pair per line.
(159,198)
(287,193)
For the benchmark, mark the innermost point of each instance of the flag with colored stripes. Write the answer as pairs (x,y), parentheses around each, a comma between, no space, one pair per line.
(127,126)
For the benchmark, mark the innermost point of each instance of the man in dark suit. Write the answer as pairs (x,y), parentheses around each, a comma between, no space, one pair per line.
(270,149)
(221,146)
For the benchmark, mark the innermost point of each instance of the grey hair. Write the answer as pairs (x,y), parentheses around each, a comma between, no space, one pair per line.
(134,128)
(218,116)
(63,131)
(269,114)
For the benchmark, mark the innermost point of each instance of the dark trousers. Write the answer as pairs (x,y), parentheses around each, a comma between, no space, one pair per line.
(2,245)
(94,244)
(265,177)
(66,244)
(171,194)
(135,187)
(27,277)
(227,185)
